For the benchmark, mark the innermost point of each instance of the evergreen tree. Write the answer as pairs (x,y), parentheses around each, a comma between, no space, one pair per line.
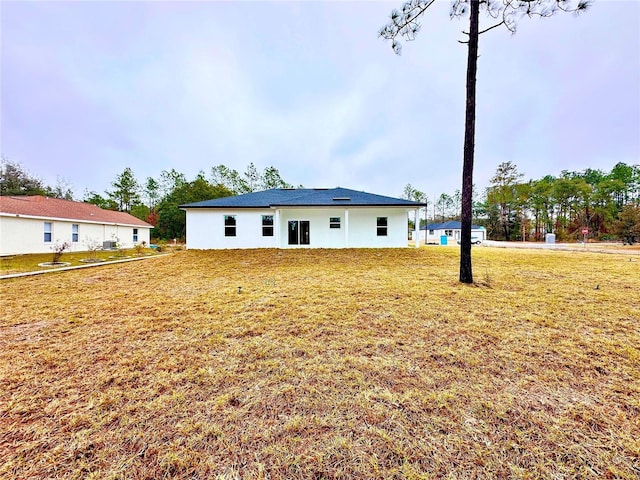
(15,180)
(99,201)
(628,226)
(126,190)
(271,179)
(152,192)
(503,13)
(171,221)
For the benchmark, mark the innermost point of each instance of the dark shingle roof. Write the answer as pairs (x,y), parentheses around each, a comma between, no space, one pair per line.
(46,207)
(450,225)
(307,197)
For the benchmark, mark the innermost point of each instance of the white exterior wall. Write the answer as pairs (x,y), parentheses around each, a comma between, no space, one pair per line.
(437,233)
(205,229)
(321,235)
(363,228)
(358,229)
(20,235)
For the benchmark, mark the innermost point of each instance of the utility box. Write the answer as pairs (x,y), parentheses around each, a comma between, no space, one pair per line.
(109,245)
(550,238)
(443,239)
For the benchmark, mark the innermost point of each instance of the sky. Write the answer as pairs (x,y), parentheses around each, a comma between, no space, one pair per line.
(89,88)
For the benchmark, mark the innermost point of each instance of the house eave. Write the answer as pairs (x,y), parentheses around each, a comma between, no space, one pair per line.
(284,205)
(71,220)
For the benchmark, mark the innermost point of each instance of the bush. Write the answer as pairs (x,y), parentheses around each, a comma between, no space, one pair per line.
(58,250)
(93,245)
(139,247)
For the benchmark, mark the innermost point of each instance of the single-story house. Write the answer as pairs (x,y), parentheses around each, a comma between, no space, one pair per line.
(34,224)
(299,218)
(449,233)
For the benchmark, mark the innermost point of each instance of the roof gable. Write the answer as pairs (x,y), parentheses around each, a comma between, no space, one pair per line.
(303,197)
(47,207)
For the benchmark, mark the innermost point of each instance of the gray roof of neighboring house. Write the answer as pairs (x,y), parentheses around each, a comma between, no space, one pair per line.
(450,225)
(304,197)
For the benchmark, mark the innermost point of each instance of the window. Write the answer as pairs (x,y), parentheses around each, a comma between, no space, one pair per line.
(267,225)
(229,225)
(74,233)
(381,222)
(448,233)
(334,222)
(135,235)
(47,232)
(431,231)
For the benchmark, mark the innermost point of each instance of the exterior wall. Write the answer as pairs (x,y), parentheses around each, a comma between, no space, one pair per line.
(358,229)
(321,235)
(363,229)
(205,229)
(437,233)
(19,235)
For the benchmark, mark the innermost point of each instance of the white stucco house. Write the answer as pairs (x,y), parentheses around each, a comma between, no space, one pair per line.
(448,233)
(299,218)
(33,224)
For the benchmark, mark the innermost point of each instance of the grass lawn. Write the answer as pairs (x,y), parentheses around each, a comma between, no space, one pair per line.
(370,364)
(13,264)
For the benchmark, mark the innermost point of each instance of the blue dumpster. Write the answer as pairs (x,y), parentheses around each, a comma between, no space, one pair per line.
(443,239)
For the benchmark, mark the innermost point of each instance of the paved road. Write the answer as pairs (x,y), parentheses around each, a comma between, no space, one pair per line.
(578,247)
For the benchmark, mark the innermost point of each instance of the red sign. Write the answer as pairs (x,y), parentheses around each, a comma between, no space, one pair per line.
(585,231)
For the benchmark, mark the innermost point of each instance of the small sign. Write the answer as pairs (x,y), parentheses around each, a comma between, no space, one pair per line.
(585,231)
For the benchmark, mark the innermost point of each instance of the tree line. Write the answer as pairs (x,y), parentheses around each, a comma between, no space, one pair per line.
(591,200)
(154,200)
(15,180)
(157,200)
(605,204)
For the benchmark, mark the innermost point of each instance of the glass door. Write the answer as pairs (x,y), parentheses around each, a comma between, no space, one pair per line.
(305,232)
(299,232)
(293,232)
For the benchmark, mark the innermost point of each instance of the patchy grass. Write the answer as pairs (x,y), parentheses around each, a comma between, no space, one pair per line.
(368,364)
(11,264)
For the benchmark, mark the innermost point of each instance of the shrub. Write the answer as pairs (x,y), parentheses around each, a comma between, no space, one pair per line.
(93,245)
(58,249)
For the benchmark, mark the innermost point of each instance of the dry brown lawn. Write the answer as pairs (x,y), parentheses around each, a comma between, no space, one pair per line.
(370,364)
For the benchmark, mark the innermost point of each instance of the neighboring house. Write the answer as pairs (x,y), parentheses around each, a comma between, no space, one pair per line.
(34,224)
(449,233)
(299,218)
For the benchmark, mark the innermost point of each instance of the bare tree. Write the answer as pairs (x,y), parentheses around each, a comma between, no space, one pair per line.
(58,249)
(406,24)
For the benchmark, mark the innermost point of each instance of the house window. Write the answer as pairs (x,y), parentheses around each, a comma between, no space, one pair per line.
(381,222)
(229,225)
(74,232)
(47,232)
(135,235)
(431,231)
(334,222)
(267,225)
(448,233)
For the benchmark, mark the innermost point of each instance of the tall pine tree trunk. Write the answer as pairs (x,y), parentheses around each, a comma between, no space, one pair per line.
(466,273)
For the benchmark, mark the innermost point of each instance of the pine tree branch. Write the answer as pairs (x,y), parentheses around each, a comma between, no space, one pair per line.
(491,28)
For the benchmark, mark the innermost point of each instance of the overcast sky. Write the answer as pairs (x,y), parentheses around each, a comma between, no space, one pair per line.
(89,88)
